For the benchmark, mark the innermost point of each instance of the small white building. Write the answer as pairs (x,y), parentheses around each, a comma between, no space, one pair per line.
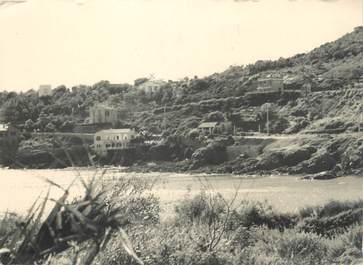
(45,91)
(113,139)
(151,86)
(208,127)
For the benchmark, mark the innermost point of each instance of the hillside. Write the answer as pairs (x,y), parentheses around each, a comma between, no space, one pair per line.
(332,66)
(176,110)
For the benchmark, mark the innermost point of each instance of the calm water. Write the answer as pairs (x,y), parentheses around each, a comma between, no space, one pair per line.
(19,188)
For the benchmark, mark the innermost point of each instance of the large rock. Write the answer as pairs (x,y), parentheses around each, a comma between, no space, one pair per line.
(352,158)
(325,175)
(320,161)
(270,161)
(284,157)
(212,154)
(294,156)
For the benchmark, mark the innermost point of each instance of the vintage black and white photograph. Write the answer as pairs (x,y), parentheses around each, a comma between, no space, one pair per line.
(181,132)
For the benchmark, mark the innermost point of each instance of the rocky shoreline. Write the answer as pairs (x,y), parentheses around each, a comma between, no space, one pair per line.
(311,156)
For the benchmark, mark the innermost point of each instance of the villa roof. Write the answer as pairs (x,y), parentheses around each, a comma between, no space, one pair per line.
(3,127)
(125,130)
(208,125)
(103,106)
(154,82)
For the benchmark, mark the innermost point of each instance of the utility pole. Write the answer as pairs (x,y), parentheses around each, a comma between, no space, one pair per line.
(267,119)
(360,116)
(164,118)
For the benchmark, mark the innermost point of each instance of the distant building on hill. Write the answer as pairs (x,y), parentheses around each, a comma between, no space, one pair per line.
(103,114)
(151,86)
(270,84)
(208,128)
(101,117)
(45,91)
(80,89)
(113,139)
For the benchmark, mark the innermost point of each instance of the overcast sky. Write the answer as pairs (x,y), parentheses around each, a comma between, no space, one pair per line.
(75,42)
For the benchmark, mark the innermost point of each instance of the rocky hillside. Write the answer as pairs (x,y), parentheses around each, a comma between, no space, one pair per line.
(334,104)
(331,70)
(332,66)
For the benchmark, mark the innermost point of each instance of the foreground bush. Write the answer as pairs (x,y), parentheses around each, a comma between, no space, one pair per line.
(208,229)
(332,218)
(84,225)
(248,233)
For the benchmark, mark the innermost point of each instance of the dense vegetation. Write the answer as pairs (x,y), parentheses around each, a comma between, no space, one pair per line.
(206,229)
(177,109)
(332,66)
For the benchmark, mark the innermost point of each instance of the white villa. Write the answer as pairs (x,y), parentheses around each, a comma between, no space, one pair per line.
(45,91)
(151,86)
(112,139)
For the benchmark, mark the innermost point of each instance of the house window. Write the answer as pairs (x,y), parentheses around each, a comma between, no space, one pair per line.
(98,138)
(107,113)
(118,138)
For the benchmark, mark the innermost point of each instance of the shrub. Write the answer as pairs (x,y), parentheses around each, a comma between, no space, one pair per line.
(287,248)
(201,208)
(134,197)
(260,214)
(331,208)
(344,249)
(330,226)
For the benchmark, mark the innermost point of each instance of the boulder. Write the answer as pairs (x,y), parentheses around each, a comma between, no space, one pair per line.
(270,161)
(320,161)
(284,157)
(352,158)
(321,175)
(294,156)
(212,154)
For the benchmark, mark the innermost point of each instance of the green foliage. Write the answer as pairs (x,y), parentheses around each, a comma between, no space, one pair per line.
(90,221)
(183,239)
(330,209)
(287,248)
(329,226)
(134,198)
(215,116)
(202,208)
(251,214)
